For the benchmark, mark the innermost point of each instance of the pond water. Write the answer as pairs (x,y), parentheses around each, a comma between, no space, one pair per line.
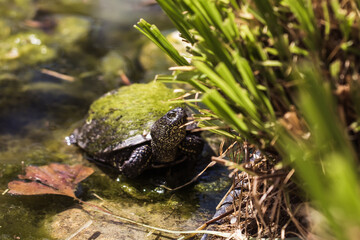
(92,45)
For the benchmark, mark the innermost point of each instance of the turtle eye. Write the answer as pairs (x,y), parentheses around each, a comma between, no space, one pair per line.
(171,115)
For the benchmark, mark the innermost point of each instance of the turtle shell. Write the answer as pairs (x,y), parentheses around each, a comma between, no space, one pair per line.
(122,118)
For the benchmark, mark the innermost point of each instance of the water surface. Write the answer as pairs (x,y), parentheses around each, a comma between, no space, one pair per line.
(80,39)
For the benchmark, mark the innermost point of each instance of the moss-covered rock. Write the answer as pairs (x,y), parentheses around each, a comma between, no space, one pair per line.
(113,65)
(5,27)
(17,9)
(124,113)
(71,32)
(27,48)
(67,6)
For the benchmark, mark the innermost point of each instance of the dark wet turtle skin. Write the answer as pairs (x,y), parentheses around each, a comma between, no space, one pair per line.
(170,143)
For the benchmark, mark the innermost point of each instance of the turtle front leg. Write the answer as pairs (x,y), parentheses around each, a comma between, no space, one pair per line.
(137,162)
(192,145)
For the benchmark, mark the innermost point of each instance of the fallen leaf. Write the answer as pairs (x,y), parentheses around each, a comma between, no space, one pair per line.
(55,178)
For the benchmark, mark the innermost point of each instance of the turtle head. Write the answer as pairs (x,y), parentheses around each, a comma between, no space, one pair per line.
(168,131)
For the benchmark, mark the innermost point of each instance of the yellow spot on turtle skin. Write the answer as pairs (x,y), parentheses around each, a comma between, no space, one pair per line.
(187,150)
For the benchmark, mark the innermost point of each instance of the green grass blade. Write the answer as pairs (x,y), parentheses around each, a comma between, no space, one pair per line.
(154,34)
(174,11)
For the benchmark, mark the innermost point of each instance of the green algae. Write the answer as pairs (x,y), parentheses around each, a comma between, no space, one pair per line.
(217,185)
(129,111)
(21,217)
(25,151)
(19,222)
(125,189)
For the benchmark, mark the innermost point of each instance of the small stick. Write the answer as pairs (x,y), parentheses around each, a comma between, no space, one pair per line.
(124,78)
(225,196)
(58,75)
(6,190)
(86,225)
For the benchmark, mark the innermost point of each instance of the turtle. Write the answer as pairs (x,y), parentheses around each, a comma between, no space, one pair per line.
(165,142)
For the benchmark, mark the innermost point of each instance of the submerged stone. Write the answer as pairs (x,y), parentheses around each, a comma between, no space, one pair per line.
(113,66)
(71,32)
(17,9)
(67,6)
(5,28)
(27,48)
(103,226)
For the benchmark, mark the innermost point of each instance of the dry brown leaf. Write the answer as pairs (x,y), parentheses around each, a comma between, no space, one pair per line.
(54,178)
(294,124)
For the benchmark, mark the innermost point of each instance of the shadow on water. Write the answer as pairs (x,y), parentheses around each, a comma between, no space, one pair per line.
(37,110)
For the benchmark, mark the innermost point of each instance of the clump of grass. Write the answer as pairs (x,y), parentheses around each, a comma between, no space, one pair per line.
(284,76)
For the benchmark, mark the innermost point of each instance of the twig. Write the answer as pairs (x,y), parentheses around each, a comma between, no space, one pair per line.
(257,206)
(58,75)
(228,149)
(221,216)
(216,233)
(265,195)
(225,196)
(233,165)
(275,208)
(288,176)
(106,212)
(192,180)
(267,176)
(86,225)
(124,78)
(246,152)
(4,192)
(94,206)
(293,219)
(98,197)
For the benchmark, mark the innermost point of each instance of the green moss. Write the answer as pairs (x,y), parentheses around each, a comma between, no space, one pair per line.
(27,48)
(19,222)
(130,110)
(214,186)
